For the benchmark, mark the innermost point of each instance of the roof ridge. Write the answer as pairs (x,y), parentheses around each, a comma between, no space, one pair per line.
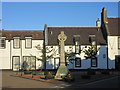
(113,17)
(22,30)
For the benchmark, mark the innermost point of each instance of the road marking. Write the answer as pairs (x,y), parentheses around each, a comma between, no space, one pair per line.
(62,86)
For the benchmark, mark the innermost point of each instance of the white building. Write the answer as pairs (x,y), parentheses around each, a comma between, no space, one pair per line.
(78,39)
(17,47)
(111,31)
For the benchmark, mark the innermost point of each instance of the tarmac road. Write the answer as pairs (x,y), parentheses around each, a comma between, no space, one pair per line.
(16,82)
(113,82)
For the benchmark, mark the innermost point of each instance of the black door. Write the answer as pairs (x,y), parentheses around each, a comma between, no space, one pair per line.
(117,62)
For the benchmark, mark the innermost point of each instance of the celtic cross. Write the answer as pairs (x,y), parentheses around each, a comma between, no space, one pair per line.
(62,38)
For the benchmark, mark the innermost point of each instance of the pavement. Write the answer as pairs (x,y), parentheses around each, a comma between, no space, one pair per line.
(9,81)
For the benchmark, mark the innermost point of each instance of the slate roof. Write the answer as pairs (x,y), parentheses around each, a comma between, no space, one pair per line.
(9,34)
(84,32)
(114,26)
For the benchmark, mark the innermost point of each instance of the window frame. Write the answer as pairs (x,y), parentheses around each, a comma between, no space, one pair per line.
(77,44)
(55,62)
(26,42)
(79,62)
(29,58)
(96,64)
(3,38)
(14,42)
(119,43)
(92,38)
(13,63)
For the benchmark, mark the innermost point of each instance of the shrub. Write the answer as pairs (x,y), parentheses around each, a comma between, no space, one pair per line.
(49,76)
(68,78)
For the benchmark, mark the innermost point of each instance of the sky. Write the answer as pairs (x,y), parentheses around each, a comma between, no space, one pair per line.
(33,15)
(60,0)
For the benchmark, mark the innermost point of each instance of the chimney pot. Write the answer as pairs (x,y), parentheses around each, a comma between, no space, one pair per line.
(98,23)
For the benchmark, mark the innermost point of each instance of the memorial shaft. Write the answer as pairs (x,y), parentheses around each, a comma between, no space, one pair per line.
(62,70)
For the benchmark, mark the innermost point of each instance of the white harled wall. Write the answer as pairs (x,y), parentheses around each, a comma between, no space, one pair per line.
(85,63)
(54,62)
(112,50)
(7,53)
(5,56)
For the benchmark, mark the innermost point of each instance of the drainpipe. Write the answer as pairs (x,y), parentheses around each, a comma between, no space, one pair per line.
(107,57)
(10,56)
(21,54)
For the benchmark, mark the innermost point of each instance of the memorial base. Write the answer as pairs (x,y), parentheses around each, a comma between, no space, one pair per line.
(61,72)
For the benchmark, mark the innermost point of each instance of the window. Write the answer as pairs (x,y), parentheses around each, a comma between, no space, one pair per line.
(77,62)
(91,38)
(93,41)
(94,62)
(16,42)
(29,63)
(77,44)
(56,63)
(118,42)
(2,42)
(28,42)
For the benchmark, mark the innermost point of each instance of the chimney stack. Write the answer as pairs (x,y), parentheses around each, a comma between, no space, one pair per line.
(98,23)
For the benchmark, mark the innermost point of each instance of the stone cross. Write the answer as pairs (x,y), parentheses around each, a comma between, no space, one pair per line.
(62,70)
(62,38)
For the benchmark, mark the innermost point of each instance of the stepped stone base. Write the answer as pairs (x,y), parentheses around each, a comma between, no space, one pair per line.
(61,72)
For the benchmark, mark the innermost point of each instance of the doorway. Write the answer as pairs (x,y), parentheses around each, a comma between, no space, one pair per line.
(16,63)
(117,62)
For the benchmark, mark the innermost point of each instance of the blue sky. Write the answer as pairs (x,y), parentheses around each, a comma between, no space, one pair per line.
(33,15)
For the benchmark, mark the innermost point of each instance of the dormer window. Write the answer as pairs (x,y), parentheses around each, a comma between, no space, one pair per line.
(77,44)
(93,43)
(16,42)
(51,32)
(92,40)
(28,42)
(2,43)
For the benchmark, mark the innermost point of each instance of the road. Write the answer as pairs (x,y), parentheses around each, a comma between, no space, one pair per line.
(113,82)
(16,82)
